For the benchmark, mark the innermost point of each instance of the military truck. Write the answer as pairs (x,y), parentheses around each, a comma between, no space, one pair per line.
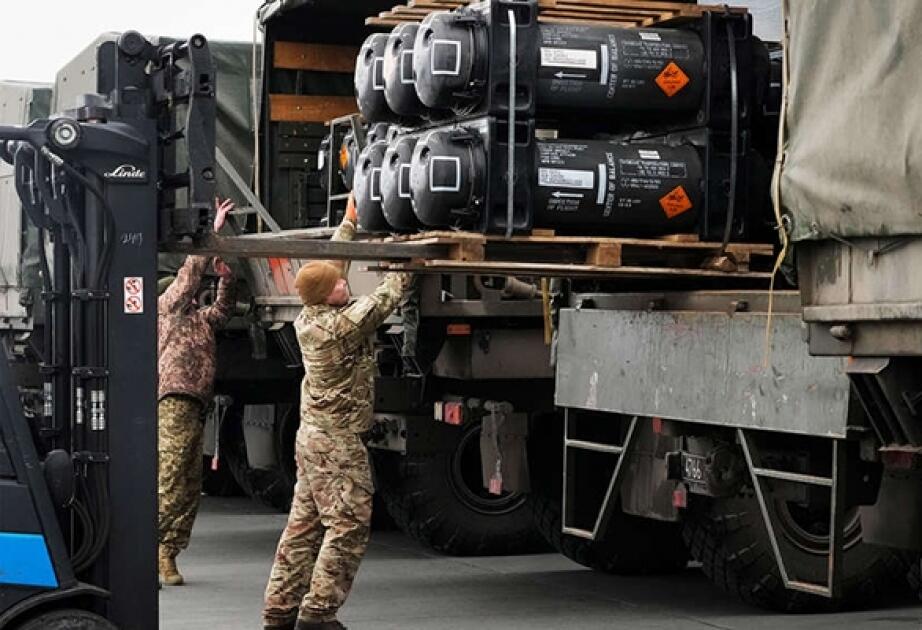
(475,340)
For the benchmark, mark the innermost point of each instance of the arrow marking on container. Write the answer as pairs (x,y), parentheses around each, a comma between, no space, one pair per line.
(562,195)
(567,75)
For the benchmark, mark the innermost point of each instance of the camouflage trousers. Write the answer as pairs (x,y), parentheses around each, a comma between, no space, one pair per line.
(327,532)
(180,476)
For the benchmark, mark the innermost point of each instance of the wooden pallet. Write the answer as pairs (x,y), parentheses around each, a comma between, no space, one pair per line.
(542,254)
(624,13)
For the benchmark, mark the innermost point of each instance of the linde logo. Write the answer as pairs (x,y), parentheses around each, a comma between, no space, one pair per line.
(126,173)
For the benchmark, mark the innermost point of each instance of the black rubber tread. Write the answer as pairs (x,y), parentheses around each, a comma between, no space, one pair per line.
(632,546)
(915,575)
(271,488)
(729,539)
(70,619)
(419,497)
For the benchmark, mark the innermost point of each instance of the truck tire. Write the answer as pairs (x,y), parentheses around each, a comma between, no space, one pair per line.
(729,538)
(70,619)
(271,487)
(438,500)
(632,545)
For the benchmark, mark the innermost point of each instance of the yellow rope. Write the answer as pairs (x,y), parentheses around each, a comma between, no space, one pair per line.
(776,188)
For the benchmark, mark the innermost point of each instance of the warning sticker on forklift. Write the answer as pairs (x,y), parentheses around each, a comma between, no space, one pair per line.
(566,178)
(134,295)
(675,202)
(672,79)
(568,58)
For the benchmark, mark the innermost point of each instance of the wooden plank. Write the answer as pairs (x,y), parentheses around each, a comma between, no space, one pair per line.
(468,249)
(557,20)
(593,16)
(537,237)
(317,57)
(562,270)
(294,108)
(604,255)
(305,249)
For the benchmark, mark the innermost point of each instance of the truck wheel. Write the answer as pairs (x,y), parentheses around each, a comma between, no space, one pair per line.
(632,545)
(272,487)
(71,619)
(729,538)
(439,500)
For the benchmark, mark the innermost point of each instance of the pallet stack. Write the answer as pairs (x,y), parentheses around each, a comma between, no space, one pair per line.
(544,253)
(625,13)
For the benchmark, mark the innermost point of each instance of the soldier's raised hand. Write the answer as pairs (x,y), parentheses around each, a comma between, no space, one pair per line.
(222,208)
(351,213)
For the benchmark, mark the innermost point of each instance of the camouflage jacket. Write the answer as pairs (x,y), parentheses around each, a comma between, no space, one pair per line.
(337,393)
(185,333)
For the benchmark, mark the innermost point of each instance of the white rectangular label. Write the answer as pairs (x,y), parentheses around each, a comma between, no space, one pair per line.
(566,58)
(446,61)
(451,185)
(403,175)
(650,37)
(406,68)
(648,155)
(134,295)
(375,182)
(377,77)
(566,178)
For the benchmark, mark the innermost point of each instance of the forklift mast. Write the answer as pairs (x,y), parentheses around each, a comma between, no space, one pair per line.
(130,168)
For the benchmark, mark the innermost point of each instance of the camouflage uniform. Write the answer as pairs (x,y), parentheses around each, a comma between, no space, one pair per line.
(180,479)
(186,363)
(328,527)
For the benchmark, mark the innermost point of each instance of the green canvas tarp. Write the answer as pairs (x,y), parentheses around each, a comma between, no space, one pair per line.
(852,148)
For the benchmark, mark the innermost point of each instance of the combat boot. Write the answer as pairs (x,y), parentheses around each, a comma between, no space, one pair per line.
(319,625)
(169,574)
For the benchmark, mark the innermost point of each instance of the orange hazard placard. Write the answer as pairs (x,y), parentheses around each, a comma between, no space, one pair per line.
(675,202)
(672,79)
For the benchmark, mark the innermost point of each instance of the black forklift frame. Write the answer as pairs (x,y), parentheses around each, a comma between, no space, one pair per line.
(110,181)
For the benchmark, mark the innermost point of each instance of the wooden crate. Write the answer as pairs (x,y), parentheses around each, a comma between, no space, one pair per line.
(624,13)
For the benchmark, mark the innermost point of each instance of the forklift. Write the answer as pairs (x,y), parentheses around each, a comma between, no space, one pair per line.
(106,183)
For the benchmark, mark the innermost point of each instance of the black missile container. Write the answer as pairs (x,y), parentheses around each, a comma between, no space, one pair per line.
(399,77)
(366,188)
(369,80)
(649,186)
(461,62)
(396,198)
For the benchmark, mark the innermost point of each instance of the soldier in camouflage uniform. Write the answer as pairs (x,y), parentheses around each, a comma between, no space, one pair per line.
(328,527)
(186,363)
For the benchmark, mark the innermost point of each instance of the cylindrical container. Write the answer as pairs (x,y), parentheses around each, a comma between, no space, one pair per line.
(450,59)
(448,177)
(396,197)
(617,188)
(579,67)
(399,77)
(367,188)
(369,80)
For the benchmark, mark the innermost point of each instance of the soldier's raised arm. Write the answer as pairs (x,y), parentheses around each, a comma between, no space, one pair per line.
(370,311)
(346,232)
(183,288)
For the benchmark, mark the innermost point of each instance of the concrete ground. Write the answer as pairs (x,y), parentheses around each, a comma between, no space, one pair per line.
(402,585)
